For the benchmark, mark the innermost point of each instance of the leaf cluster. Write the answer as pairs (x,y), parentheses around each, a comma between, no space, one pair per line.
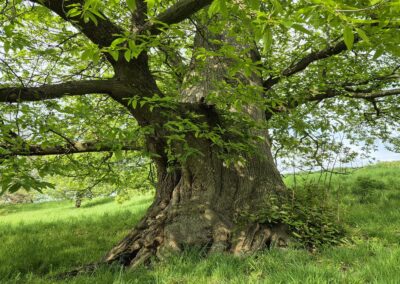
(308,212)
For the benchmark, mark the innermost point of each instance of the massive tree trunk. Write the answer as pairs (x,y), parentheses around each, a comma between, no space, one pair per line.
(198,205)
(199,201)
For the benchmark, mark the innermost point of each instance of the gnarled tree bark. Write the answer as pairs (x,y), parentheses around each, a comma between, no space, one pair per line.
(198,205)
(198,202)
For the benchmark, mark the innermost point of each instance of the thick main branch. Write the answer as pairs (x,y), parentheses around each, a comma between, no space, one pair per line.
(102,34)
(182,10)
(54,91)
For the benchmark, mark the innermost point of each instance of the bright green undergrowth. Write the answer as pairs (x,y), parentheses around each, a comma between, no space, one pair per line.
(41,240)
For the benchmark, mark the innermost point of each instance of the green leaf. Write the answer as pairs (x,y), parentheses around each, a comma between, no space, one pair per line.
(277,6)
(131,4)
(150,3)
(378,53)
(9,30)
(134,103)
(216,7)
(114,54)
(363,35)
(267,39)
(131,44)
(254,4)
(97,13)
(86,54)
(348,37)
(127,55)
(301,28)
(74,12)
(92,17)
(118,41)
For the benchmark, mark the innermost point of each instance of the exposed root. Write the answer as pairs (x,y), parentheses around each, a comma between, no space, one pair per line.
(260,236)
(171,231)
(157,237)
(89,268)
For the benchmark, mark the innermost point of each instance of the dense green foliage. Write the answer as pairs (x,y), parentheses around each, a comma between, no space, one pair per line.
(309,91)
(308,212)
(117,84)
(40,240)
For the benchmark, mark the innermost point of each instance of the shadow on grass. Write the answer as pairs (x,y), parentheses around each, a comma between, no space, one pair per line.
(96,202)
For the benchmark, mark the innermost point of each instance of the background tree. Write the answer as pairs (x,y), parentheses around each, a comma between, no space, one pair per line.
(196,85)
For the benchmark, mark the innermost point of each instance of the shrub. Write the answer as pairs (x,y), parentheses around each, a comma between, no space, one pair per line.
(308,212)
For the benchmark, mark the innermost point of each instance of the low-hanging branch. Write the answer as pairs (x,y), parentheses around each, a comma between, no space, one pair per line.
(8,150)
(55,91)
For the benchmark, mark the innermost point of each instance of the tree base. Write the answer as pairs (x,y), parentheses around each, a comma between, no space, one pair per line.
(172,229)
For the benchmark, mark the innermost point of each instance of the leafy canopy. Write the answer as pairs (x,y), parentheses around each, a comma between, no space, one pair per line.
(329,69)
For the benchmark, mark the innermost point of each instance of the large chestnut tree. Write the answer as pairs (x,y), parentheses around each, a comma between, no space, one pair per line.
(203,88)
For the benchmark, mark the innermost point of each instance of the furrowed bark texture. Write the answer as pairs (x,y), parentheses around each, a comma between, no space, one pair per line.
(197,203)
(197,206)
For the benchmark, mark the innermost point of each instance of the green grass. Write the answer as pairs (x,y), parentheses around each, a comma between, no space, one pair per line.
(41,240)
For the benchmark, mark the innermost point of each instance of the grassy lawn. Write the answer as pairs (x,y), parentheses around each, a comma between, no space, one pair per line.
(40,240)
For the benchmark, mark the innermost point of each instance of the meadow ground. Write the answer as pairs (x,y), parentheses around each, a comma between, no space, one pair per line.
(41,240)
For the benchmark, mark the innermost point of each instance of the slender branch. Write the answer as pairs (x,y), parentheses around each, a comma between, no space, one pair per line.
(391,76)
(46,92)
(375,95)
(369,8)
(67,149)
(182,10)
(356,95)
(307,60)
(328,94)
(70,142)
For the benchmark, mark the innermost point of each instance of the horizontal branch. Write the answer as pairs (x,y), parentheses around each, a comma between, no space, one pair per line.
(182,10)
(356,95)
(307,60)
(328,94)
(7,151)
(375,95)
(54,91)
(393,75)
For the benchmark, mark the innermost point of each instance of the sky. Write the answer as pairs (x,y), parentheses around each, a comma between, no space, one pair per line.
(380,155)
(385,155)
